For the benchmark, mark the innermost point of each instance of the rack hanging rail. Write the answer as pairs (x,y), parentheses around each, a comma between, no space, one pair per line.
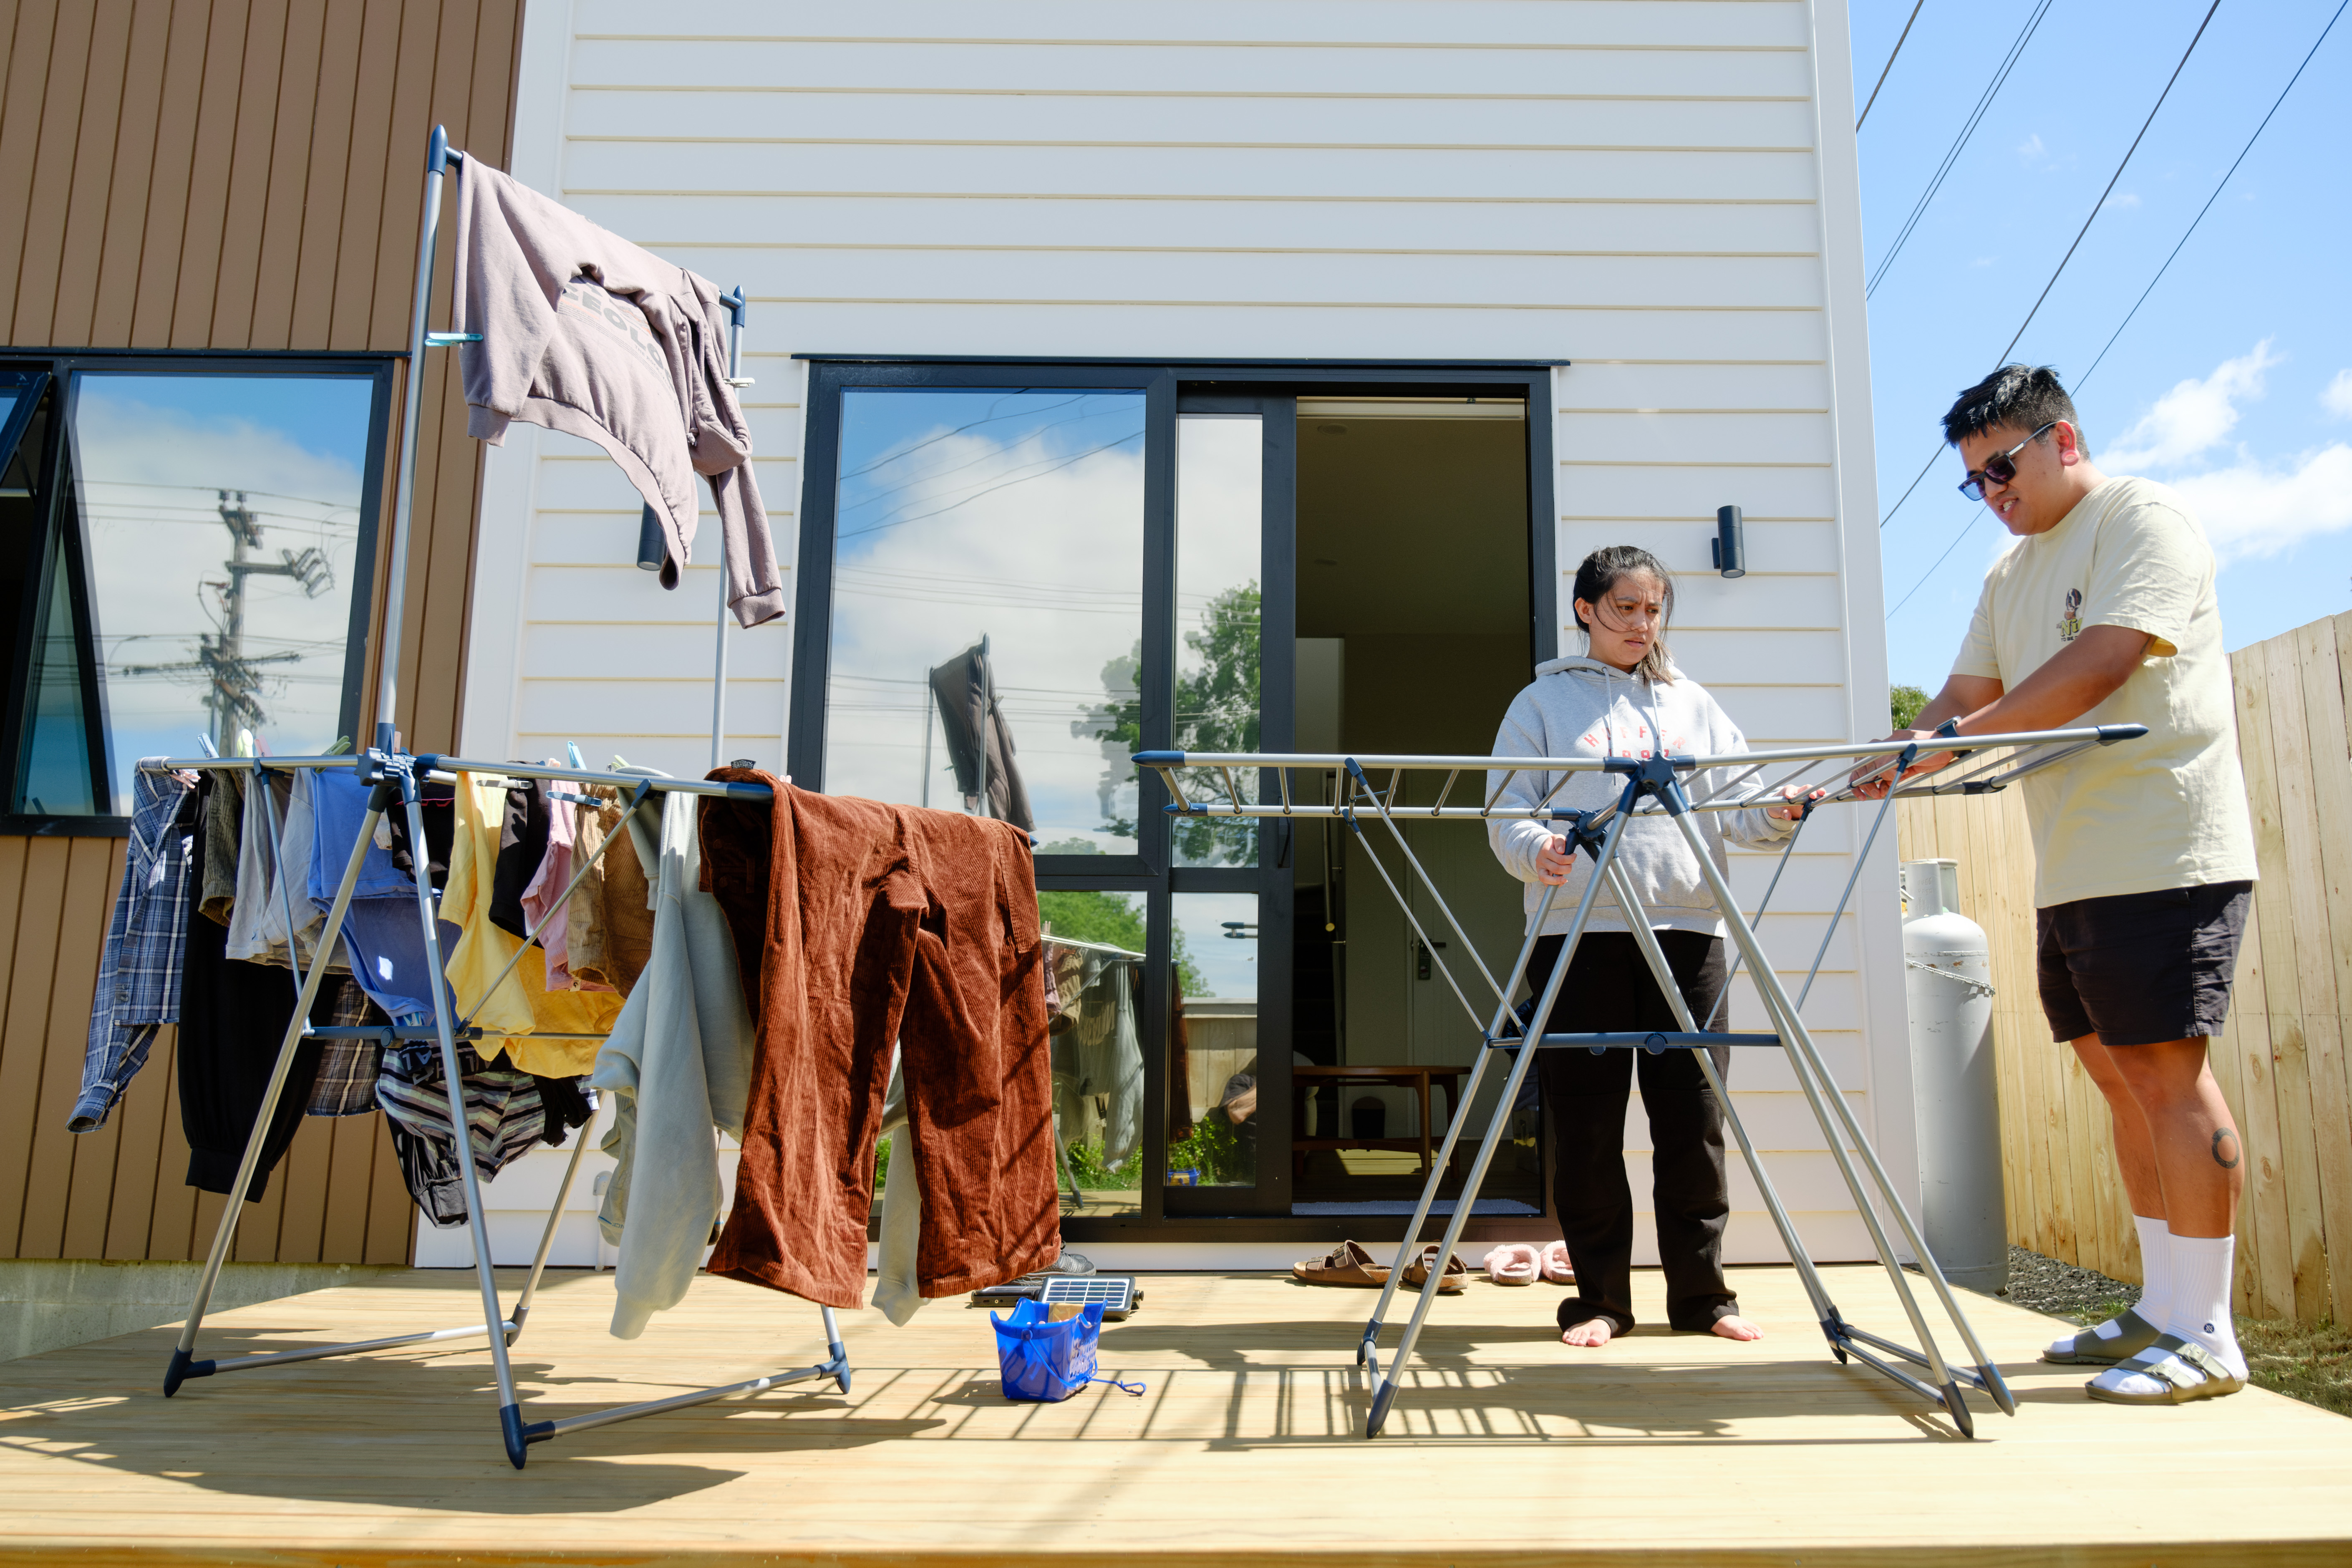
(1653,788)
(393,777)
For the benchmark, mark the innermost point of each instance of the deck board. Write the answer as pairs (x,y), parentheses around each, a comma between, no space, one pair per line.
(1245,1447)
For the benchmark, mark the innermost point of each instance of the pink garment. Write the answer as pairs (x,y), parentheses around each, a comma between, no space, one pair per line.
(545,898)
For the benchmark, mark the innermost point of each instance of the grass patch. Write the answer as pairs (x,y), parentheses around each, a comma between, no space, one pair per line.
(2302,1361)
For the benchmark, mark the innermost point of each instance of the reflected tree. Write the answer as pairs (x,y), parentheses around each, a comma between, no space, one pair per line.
(1216,710)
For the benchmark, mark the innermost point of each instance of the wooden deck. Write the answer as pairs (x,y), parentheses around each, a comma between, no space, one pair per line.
(1662,1448)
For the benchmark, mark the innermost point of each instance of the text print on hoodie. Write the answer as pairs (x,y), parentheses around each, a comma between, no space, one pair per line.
(1584,708)
(586,334)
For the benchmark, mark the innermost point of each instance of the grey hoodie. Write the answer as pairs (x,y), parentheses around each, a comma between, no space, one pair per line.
(1583,708)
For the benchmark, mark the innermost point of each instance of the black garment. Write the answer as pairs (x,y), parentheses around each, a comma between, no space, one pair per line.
(569,1103)
(437,804)
(1609,989)
(233,1018)
(522,845)
(2137,969)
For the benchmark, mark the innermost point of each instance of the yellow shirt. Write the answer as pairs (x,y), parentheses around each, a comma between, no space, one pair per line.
(522,1003)
(2167,810)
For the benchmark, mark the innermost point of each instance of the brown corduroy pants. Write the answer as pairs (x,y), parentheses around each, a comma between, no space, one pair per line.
(858,924)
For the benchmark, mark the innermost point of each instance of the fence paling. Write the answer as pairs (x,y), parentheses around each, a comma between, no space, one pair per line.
(2284,1059)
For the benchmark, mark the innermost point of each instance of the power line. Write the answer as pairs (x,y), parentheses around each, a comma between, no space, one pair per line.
(1960,143)
(2097,209)
(1966,529)
(1890,65)
(2100,205)
(2215,197)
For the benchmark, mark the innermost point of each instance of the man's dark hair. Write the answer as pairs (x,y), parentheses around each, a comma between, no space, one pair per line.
(2023,397)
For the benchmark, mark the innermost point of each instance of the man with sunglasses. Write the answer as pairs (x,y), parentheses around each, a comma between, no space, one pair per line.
(2104,612)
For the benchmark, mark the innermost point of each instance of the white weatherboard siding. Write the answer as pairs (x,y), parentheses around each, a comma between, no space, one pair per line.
(1661,192)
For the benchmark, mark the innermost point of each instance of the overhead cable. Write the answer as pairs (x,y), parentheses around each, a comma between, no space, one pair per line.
(1890,65)
(2097,209)
(2100,205)
(2214,197)
(1960,143)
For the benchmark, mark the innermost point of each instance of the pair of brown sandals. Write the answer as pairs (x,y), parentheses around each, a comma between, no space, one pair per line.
(1350,1264)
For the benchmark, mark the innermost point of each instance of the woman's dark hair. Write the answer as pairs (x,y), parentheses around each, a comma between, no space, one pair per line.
(1599,572)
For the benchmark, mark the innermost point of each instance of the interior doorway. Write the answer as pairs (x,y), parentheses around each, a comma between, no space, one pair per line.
(1413,573)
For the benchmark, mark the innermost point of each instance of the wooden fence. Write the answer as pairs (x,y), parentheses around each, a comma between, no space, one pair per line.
(2281,1060)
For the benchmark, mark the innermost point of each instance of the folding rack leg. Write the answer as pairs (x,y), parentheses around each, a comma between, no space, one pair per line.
(182,1364)
(1825,1310)
(1813,1076)
(1384,1393)
(453,1085)
(1367,1349)
(547,1236)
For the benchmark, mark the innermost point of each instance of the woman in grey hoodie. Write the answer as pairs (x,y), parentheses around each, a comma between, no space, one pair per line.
(1625,698)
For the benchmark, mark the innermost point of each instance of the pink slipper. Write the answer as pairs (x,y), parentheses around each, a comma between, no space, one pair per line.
(1513,1263)
(1554,1263)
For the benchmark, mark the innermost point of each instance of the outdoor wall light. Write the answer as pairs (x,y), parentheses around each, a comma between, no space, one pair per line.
(1729,546)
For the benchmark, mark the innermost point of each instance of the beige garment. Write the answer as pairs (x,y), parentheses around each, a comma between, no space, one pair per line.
(610,917)
(2167,810)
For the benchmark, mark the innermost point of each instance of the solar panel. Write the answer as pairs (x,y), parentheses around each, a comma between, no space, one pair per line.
(1115,1293)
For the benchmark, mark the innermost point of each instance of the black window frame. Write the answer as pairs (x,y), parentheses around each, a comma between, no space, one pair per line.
(1171,387)
(58,520)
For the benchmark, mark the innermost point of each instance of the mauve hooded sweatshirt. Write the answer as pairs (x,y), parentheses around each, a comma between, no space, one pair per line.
(1584,708)
(586,334)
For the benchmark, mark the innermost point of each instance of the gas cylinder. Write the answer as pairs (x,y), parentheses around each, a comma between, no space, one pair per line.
(1948,981)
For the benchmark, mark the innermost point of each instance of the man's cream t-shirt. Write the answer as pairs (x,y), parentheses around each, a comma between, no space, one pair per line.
(2167,810)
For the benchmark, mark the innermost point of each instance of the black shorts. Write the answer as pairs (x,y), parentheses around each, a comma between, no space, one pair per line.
(2140,968)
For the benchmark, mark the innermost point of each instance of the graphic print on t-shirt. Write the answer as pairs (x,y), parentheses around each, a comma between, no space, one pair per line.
(2070,625)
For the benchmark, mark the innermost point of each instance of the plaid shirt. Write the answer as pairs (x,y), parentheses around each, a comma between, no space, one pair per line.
(139,968)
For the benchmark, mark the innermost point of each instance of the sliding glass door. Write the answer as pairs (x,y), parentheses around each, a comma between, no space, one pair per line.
(1013,577)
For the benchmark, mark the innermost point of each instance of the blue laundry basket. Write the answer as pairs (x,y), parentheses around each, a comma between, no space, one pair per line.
(1042,1362)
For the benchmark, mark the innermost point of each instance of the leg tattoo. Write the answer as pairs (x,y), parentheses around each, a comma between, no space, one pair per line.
(2227,1158)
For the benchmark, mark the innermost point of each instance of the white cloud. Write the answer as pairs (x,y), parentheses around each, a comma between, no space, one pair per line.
(2032,150)
(2251,509)
(1026,527)
(2192,418)
(2121,199)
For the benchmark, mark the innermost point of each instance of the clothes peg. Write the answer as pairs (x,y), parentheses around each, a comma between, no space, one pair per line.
(572,752)
(207,743)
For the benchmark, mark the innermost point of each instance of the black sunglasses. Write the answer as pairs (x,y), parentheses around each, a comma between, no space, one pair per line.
(2001,467)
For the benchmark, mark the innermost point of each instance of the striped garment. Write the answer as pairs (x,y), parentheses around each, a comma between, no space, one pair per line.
(138,967)
(503,1118)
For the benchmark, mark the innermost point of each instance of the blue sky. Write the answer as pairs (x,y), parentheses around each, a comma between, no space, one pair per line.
(2225,385)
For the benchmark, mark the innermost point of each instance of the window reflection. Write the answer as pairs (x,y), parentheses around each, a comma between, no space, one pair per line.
(1094,986)
(988,608)
(1212,1066)
(1219,500)
(221,517)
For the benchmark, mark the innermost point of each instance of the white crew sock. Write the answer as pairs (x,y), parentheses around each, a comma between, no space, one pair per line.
(2155,1268)
(2200,1313)
(2200,1296)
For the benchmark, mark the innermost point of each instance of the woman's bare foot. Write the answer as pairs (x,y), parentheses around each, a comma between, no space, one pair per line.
(1589,1334)
(1738,1328)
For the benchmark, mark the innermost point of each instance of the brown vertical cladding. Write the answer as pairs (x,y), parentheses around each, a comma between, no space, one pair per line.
(225,174)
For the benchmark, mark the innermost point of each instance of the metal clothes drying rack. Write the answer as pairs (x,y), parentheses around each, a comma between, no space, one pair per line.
(393,776)
(1655,786)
